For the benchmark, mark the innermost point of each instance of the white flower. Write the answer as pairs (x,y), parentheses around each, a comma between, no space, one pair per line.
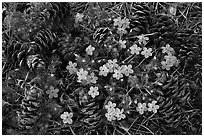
(125,23)
(79,17)
(93,78)
(141,108)
(121,23)
(72,67)
(165,65)
(119,114)
(153,107)
(169,62)
(134,49)
(142,39)
(117,74)
(66,117)
(52,92)
(122,44)
(126,70)
(110,116)
(121,31)
(103,71)
(89,50)
(110,106)
(147,52)
(117,22)
(167,49)
(112,64)
(82,75)
(93,92)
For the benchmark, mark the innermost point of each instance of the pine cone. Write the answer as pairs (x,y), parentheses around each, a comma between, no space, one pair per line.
(30,107)
(16,52)
(139,20)
(58,12)
(176,95)
(164,29)
(188,47)
(78,7)
(35,62)
(88,111)
(46,40)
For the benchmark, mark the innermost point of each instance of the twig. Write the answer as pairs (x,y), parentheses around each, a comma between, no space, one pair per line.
(72,130)
(148,129)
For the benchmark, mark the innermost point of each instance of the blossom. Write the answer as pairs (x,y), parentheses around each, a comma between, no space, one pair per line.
(121,23)
(126,70)
(89,50)
(134,49)
(141,108)
(170,59)
(167,49)
(119,114)
(72,67)
(125,23)
(122,44)
(103,70)
(169,62)
(117,74)
(117,22)
(110,106)
(147,52)
(110,116)
(165,65)
(67,117)
(113,113)
(142,39)
(79,17)
(121,31)
(52,92)
(92,78)
(93,92)
(82,75)
(112,64)
(153,107)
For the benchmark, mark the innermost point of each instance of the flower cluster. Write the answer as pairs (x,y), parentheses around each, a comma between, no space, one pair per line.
(114,113)
(83,76)
(112,67)
(170,59)
(134,49)
(142,107)
(122,25)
